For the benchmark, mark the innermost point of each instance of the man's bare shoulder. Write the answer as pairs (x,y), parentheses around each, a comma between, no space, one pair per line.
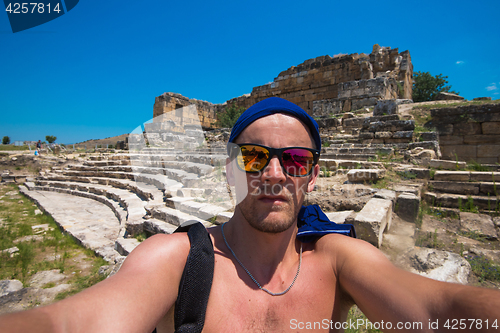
(342,249)
(157,250)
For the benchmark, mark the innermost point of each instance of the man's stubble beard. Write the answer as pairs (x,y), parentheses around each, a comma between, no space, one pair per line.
(262,221)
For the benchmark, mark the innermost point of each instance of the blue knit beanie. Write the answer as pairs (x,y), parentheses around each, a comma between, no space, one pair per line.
(271,106)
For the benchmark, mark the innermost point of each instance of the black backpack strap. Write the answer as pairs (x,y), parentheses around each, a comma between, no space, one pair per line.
(196,281)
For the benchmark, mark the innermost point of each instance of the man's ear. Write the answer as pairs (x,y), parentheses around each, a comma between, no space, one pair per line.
(230,172)
(313,178)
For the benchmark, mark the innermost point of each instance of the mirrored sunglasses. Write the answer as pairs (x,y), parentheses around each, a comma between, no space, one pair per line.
(295,161)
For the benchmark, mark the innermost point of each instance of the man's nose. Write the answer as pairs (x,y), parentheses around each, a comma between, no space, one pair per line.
(274,171)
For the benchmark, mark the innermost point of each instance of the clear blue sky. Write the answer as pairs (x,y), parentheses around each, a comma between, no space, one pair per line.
(95,71)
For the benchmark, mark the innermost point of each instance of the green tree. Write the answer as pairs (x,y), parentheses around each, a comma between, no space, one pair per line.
(426,87)
(50,138)
(6,140)
(229,117)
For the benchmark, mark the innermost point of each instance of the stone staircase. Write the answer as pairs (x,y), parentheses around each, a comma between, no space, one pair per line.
(465,190)
(375,136)
(147,193)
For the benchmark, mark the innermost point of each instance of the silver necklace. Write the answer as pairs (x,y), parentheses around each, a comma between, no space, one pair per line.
(250,274)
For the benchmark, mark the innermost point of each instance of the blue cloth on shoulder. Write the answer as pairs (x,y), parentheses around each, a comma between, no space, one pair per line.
(313,224)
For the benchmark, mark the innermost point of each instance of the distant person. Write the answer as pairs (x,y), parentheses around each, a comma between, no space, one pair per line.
(39,146)
(269,274)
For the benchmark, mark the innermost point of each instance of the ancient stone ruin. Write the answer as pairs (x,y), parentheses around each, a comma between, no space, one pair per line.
(323,86)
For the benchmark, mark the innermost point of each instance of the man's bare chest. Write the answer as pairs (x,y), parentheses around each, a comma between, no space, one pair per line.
(236,304)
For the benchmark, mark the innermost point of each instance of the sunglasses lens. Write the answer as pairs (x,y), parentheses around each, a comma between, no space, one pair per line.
(297,162)
(252,158)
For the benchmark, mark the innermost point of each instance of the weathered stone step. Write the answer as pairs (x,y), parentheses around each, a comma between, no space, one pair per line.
(155,226)
(133,204)
(358,150)
(91,226)
(365,175)
(119,211)
(213,158)
(484,203)
(467,188)
(411,171)
(161,181)
(447,164)
(104,163)
(126,245)
(391,126)
(178,169)
(359,157)
(465,176)
(143,190)
(202,210)
(333,165)
(173,216)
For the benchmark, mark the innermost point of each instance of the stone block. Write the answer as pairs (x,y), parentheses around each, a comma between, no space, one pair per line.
(451,139)
(492,127)
(463,152)
(339,217)
(328,164)
(403,135)
(366,135)
(134,227)
(444,96)
(353,123)
(385,107)
(10,286)
(429,136)
(485,176)
(362,175)
(481,139)
(209,211)
(478,223)
(420,173)
(383,135)
(392,126)
(446,164)
(455,187)
(466,129)
(223,217)
(391,140)
(488,150)
(488,160)
(492,189)
(373,219)
(386,195)
(126,245)
(407,206)
(424,144)
(461,176)
(444,129)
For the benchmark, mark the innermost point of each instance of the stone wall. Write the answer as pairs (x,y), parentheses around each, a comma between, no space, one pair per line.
(469,133)
(345,81)
(322,86)
(168,102)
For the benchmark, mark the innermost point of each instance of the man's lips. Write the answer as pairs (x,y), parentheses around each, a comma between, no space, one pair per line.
(272,198)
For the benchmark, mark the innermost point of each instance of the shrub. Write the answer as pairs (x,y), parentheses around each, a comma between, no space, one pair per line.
(229,117)
(426,87)
(484,268)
